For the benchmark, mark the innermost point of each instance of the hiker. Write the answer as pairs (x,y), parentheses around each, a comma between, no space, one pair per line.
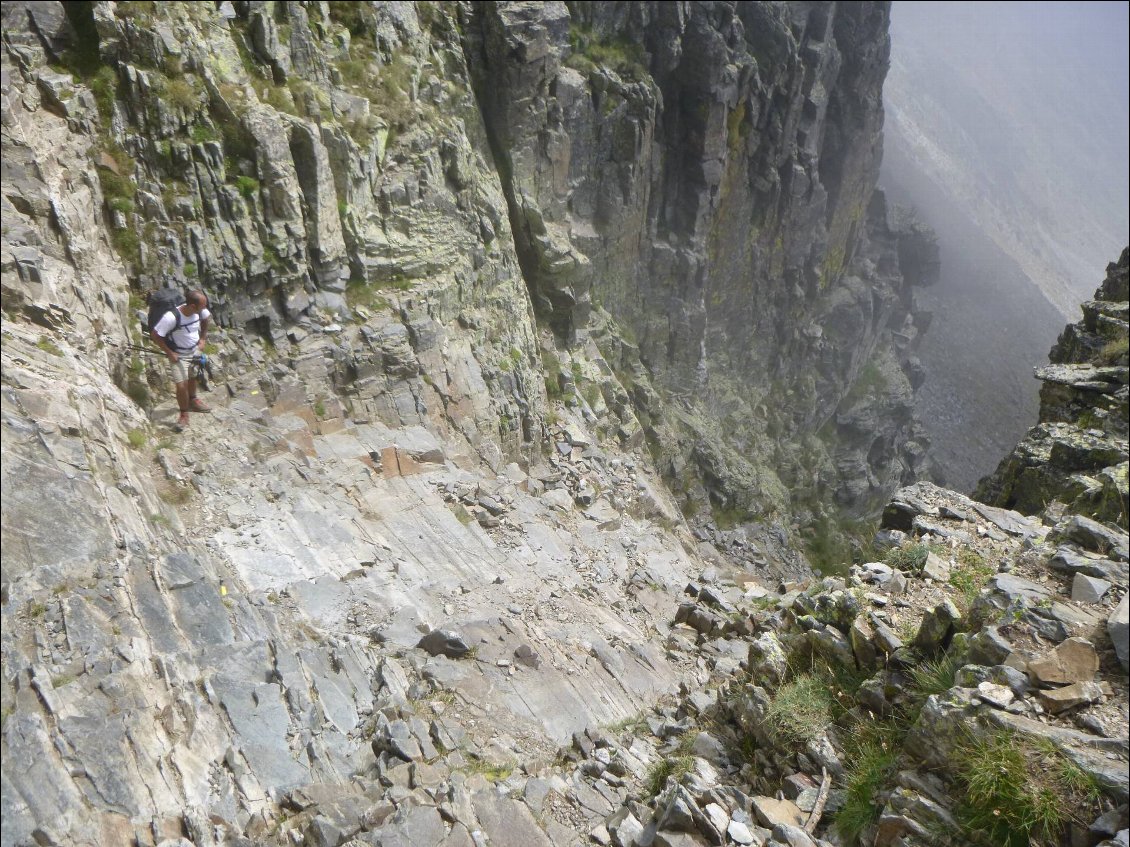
(181,332)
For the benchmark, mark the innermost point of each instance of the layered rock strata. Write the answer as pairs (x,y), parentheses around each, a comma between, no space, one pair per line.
(1077,453)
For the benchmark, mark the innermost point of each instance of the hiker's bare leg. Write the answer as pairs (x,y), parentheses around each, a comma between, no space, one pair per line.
(183,395)
(191,390)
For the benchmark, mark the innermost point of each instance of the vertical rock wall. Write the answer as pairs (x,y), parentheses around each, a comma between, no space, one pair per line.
(705,174)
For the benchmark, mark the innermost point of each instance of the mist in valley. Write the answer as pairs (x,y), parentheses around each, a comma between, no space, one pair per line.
(1007,129)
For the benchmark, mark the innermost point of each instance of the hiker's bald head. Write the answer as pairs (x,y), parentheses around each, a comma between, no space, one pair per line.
(197,300)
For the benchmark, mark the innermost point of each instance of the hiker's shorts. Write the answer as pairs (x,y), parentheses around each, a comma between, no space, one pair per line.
(178,370)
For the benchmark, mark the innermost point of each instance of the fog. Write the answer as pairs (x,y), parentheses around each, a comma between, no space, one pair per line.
(1008,129)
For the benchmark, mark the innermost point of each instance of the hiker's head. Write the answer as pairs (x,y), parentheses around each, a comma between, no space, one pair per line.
(195,302)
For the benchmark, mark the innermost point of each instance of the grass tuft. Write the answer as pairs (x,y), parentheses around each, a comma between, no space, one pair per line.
(1019,791)
(661,771)
(935,677)
(800,710)
(872,752)
(969,576)
(909,557)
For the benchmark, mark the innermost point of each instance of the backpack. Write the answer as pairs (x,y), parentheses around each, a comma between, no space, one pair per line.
(160,302)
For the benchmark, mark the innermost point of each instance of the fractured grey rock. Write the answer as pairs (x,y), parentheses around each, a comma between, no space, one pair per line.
(1069,560)
(1092,535)
(1088,589)
(937,627)
(1118,628)
(444,642)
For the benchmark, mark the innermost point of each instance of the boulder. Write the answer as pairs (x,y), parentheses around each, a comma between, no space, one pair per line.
(936,568)
(444,642)
(989,647)
(1075,660)
(1088,589)
(1078,694)
(772,812)
(1092,535)
(937,627)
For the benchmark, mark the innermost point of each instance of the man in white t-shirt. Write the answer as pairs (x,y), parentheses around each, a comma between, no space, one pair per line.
(181,336)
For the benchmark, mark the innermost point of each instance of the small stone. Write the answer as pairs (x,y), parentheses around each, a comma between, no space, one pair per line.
(1075,660)
(876,572)
(897,585)
(599,834)
(1088,589)
(772,812)
(1078,694)
(995,695)
(739,832)
(717,816)
(526,655)
(936,568)
(444,642)
(624,828)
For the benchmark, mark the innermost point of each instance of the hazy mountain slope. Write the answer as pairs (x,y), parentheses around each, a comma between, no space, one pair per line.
(1020,114)
(1006,128)
(989,325)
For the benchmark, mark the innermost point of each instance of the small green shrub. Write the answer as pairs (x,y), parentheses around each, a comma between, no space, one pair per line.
(127,243)
(136,438)
(271,254)
(488,770)
(551,365)
(139,9)
(1113,351)
(360,293)
(138,392)
(182,94)
(871,380)
(391,97)
(104,87)
(320,409)
(248,186)
(349,14)
(121,204)
(202,132)
(116,187)
(176,495)
(591,52)
(800,710)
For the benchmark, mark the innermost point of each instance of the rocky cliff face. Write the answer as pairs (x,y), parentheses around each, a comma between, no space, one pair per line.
(1076,454)
(220,636)
(704,176)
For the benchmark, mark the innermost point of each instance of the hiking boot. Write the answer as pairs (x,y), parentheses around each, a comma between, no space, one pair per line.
(198,405)
(182,421)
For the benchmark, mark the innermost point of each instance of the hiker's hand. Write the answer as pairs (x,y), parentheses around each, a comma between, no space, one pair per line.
(173,357)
